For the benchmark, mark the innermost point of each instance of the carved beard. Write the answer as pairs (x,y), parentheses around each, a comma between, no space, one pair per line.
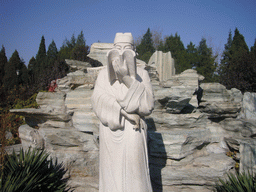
(127,55)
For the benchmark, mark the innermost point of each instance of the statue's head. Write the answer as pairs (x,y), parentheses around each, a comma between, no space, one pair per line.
(123,41)
(122,51)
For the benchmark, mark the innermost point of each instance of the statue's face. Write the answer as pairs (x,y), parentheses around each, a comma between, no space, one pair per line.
(123,46)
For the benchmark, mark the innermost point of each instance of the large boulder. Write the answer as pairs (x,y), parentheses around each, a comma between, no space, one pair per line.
(98,51)
(249,106)
(217,101)
(178,92)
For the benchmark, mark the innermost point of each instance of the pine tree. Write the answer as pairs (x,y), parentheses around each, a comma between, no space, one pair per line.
(3,61)
(80,51)
(224,63)
(23,74)
(80,41)
(11,75)
(146,48)
(175,45)
(206,65)
(52,54)
(237,68)
(31,69)
(192,55)
(40,60)
(177,49)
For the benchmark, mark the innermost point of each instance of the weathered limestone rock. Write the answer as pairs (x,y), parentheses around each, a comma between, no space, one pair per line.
(249,106)
(176,93)
(177,144)
(98,51)
(53,99)
(161,66)
(77,65)
(30,137)
(74,80)
(79,102)
(217,101)
(44,117)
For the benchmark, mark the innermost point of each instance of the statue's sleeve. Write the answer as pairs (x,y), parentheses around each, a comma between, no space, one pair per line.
(105,105)
(139,98)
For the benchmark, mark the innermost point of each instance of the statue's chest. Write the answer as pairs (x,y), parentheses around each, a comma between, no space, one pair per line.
(119,90)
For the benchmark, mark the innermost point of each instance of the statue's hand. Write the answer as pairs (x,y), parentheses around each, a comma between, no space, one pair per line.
(133,118)
(122,72)
(120,67)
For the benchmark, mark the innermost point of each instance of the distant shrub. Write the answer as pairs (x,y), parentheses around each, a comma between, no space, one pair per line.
(239,182)
(32,171)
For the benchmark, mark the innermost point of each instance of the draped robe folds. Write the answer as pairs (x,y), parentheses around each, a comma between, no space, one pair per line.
(123,150)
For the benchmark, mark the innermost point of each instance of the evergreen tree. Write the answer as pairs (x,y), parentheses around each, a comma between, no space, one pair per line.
(52,54)
(80,51)
(23,74)
(80,39)
(177,49)
(11,75)
(175,45)
(223,69)
(206,65)
(237,66)
(73,41)
(192,56)
(31,69)
(3,61)
(146,48)
(40,60)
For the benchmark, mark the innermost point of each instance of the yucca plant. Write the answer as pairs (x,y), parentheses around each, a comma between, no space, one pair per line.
(239,182)
(32,171)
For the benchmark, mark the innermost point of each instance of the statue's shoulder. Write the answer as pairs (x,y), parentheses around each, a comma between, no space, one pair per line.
(141,71)
(103,71)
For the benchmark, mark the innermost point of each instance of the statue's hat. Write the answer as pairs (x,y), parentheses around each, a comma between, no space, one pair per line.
(123,38)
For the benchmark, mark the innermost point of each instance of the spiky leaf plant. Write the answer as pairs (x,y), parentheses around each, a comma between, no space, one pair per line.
(239,182)
(32,171)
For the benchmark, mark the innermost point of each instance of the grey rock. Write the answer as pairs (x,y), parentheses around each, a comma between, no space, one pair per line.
(248,156)
(236,94)
(177,144)
(249,106)
(53,99)
(161,66)
(44,117)
(78,65)
(204,170)
(8,135)
(30,137)
(98,51)
(217,101)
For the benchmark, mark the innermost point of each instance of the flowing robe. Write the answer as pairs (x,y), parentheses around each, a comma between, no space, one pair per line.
(123,150)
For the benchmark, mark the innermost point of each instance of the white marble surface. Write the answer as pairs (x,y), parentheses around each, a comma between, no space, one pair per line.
(122,97)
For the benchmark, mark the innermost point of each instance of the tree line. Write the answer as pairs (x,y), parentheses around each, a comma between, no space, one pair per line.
(237,67)
(20,81)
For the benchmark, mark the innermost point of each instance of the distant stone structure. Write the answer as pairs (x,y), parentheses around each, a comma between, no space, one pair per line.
(161,66)
(98,51)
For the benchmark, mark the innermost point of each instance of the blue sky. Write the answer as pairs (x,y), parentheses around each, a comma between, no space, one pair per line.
(23,22)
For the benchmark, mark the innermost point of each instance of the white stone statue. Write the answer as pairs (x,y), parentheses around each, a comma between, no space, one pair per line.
(122,97)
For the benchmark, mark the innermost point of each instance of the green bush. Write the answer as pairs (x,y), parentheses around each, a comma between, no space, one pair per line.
(239,182)
(32,171)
